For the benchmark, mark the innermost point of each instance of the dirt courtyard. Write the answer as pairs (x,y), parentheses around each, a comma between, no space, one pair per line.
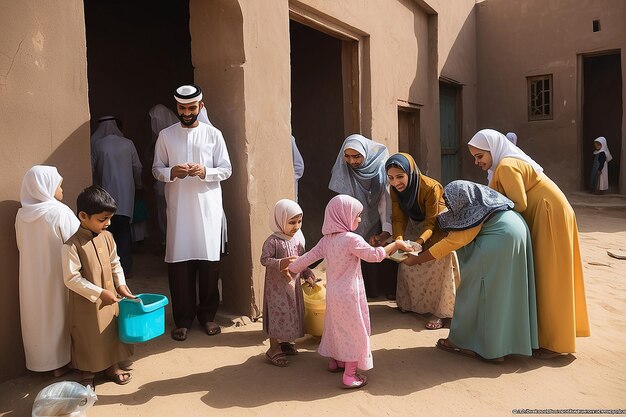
(228,375)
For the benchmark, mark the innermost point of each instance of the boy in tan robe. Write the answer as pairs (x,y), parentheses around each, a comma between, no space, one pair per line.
(92,272)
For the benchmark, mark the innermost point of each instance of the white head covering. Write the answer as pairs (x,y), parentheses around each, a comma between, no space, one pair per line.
(284,210)
(37,193)
(604,148)
(186,94)
(298,165)
(107,126)
(500,147)
(204,117)
(512,137)
(161,117)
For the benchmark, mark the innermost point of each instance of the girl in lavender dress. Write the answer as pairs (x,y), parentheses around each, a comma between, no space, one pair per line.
(345,339)
(283,304)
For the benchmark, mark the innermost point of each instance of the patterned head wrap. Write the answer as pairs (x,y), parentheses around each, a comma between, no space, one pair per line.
(469,204)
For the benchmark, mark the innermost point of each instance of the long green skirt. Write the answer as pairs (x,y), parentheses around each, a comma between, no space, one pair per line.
(496,311)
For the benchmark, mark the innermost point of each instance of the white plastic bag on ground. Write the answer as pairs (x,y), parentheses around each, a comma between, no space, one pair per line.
(65,398)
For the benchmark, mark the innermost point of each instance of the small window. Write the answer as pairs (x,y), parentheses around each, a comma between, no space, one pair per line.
(596,26)
(540,97)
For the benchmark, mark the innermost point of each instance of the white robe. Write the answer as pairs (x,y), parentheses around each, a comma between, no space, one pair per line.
(194,206)
(118,170)
(298,165)
(43,295)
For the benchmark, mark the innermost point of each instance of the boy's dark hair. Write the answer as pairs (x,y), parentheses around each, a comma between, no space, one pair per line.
(94,199)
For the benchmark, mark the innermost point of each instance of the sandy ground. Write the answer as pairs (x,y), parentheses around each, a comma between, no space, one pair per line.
(227,375)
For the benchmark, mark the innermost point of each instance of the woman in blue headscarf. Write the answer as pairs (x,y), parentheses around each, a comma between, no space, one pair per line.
(496,311)
(360,173)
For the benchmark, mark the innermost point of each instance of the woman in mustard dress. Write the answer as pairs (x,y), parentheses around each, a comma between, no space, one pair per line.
(561,301)
(415,202)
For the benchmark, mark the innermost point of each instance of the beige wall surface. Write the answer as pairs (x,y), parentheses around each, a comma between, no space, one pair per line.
(457,62)
(248,80)
(400,65)
(521,39)
(241,58)
(398,58)
(44,119)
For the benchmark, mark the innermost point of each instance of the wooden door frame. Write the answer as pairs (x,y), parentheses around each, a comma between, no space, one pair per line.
(354,63)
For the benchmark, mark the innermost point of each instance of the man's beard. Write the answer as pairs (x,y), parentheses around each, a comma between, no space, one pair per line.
(193,119)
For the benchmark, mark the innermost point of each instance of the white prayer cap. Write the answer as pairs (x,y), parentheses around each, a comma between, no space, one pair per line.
(186,94)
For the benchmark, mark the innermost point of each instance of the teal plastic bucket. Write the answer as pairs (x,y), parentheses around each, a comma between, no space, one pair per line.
(142,319)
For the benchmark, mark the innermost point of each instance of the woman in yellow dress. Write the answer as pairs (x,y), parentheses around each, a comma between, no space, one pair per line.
(561,301)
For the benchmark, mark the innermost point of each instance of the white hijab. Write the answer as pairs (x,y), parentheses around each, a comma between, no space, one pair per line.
(161,117)
(284,210)
(204,117)
(500,147)
(37,194)
(605,148)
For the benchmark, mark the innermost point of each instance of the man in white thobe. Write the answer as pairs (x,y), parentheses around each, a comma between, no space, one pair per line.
(191,158)
(117,169)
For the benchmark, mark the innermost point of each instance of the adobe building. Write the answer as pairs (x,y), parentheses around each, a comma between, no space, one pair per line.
(572,53)
(417,75)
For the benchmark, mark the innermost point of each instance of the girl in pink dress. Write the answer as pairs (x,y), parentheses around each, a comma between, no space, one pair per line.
(345,340)
(283,303)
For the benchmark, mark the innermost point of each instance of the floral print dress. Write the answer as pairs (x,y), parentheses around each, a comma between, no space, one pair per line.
(283,302)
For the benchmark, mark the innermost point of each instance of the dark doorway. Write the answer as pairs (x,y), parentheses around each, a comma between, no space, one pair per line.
(450,123)
(602,111)
(408,132)
(317,118)
(138,52)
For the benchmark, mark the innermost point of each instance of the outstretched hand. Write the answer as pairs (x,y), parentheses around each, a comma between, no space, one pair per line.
(283,265)
(403,246)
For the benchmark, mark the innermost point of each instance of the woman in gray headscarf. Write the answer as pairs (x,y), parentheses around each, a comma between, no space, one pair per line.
(496,311)
(360,172)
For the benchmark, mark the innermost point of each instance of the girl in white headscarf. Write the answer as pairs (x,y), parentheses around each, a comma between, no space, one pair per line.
(283,302)
(561,301)
(42,225)
(600,169)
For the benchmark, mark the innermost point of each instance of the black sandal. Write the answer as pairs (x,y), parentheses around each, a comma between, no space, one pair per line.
(179,334)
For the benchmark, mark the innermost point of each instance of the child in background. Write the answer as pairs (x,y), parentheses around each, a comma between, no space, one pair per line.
(599,181)
(92,272)
(283,303)
(345,340)
(42,225)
